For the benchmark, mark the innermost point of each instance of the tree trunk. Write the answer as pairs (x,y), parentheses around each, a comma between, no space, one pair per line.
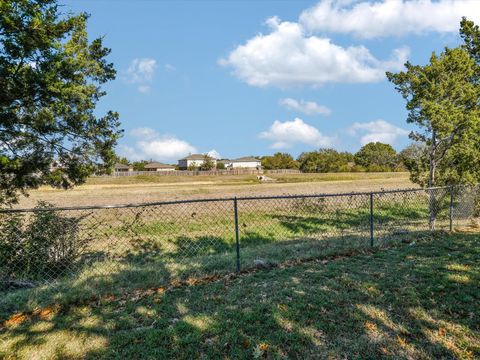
(431,182)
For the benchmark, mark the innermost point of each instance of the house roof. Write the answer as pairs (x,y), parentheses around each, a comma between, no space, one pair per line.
(246,159)
(121,166)
(157,165)
(195,157)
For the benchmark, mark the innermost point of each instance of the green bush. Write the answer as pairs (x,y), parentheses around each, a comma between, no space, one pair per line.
(38,245)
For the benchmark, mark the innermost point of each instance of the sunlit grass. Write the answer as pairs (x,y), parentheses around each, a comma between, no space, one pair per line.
(404,301)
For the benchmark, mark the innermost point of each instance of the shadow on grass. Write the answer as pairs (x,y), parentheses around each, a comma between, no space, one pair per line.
(367,306)
(148,264)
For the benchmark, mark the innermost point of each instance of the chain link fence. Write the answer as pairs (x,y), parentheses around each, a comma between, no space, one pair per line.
(120,248)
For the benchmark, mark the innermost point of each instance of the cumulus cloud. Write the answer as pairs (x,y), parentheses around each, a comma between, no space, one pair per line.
(288,133)
(379,130)
(140,72)
(389,17)
(288,56)
(214,154)
(306,107)
(152,145)
(129,152)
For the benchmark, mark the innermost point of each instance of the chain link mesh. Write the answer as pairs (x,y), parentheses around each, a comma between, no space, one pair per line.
(129,247)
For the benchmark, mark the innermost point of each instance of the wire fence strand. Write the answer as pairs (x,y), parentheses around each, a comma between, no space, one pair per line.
(143,245)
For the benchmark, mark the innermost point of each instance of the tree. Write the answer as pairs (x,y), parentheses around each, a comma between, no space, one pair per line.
(415,159)
(442,100)
(207,163)
(139,165)
(376,156)
(279,161)
(192,167)
(50,78)
(325,160)
(122,160)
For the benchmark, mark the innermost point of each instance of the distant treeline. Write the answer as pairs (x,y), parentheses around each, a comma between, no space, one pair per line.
(372,157)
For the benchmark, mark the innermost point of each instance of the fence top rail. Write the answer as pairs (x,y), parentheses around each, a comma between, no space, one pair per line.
(211,200)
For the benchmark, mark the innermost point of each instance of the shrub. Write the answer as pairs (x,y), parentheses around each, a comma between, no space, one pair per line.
(38,245)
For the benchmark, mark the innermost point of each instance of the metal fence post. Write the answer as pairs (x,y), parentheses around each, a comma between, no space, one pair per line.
(451,209)
(371,220)
(237,240)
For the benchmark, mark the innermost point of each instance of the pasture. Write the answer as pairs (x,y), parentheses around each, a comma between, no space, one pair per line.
(138,189)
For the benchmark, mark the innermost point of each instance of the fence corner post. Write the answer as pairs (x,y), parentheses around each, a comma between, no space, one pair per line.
(371,221)
(450,214)
(237,239)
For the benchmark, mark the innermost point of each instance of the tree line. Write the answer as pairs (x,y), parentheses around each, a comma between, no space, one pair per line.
(372,157)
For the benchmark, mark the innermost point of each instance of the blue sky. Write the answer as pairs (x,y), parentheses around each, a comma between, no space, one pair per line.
(256,77)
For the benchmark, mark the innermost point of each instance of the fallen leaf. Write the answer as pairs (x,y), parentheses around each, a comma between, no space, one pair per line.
(370,326)
(401,341)
(16,319)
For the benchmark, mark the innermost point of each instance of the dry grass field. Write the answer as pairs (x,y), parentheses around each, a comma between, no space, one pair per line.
(137,189)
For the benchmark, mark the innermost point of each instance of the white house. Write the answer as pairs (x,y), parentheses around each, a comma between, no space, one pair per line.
(156,166)
(246,162)
(193,160)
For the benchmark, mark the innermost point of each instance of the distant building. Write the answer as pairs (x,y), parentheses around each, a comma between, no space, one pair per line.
(195,160)
(156,166)
(122,168)
(246,162)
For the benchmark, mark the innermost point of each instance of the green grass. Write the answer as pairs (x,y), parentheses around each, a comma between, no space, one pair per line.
(416,301)
(131,249)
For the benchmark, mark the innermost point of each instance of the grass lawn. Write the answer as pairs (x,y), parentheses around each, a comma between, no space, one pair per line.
(412,301)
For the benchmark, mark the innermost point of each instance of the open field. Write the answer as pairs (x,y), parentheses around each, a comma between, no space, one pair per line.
(415,301)
(123,190)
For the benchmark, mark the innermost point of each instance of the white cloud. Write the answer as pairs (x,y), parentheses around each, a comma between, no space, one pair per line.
(389,17)
(140,72)
(144,133)
(288,133)
(306,107)
(287,56)
(169,67)
(214,154)
(130,153)
(151,145)
(165,148)
(379,130)
(144,89)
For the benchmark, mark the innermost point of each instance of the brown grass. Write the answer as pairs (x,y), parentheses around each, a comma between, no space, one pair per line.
(123,190)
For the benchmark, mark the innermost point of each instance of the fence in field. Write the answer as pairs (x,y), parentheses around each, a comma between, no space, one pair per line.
(204,173)
(113,248)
